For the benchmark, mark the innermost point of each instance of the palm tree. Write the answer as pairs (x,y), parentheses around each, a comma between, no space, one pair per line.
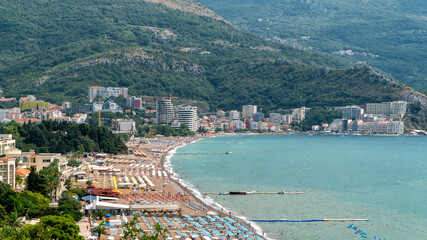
(13,221)
(100,230)
(101,213)
(161,232)
(68,184)
(130,231)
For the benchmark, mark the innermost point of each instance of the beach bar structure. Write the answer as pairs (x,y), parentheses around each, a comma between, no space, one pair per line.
(117,208)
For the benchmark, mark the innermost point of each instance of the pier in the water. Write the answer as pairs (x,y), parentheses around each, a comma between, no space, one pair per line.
(251,193)
(203,153)
(308,220)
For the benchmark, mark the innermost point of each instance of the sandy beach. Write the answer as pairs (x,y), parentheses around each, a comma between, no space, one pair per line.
(168,201)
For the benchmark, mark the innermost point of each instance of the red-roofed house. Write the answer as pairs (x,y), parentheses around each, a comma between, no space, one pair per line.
(315,127)
(3,99)
(23,174)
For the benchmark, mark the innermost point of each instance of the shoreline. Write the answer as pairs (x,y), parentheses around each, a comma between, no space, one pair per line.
(191,191)
(179,181)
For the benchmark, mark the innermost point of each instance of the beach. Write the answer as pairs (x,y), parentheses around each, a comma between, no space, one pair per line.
(172,202)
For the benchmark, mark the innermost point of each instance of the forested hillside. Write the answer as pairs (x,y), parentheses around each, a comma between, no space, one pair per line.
(390,35)
(65,137)
(56,49)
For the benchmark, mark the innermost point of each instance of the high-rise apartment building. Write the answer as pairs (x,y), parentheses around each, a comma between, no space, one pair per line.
(258,117)
(352,112)
(95,91)
(299,114)
(134,102)
(102,92)
(248,111)
(188,116)
(387,108)
(165,113)
(234,115)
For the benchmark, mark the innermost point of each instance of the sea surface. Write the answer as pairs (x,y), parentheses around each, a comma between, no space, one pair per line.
(383,179)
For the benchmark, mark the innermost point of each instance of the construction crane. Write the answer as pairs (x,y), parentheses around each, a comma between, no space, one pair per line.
(99,113)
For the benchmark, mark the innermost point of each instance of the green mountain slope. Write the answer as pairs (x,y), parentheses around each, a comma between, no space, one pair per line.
(390,35)
(56,49)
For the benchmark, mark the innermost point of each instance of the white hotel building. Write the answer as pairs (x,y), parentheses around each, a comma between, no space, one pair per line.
(188,116)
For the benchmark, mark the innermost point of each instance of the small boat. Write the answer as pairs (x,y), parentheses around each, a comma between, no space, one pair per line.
(228,152)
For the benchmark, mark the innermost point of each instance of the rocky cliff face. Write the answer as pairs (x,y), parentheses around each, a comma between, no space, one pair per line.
(414,97)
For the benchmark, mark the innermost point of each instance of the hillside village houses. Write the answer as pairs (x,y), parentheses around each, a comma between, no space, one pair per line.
(38,113)
(14,161)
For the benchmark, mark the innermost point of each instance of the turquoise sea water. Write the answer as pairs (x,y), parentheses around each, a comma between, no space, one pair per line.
(383,179)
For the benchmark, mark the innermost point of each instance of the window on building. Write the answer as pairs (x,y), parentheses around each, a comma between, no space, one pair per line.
(46,160)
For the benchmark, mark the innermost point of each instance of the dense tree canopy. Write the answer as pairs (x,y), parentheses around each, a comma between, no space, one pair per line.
(319,116)
(333,25)
(54,137)
(165,130)
(54,227)
(56,56)
(68,205)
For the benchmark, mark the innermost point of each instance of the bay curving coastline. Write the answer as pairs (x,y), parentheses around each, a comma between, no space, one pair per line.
(192,191)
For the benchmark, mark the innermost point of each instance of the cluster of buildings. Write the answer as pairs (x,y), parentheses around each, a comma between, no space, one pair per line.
(374,118)
(250,119)
(103,106)
(108,105)
(16,163)
(247,119)
(168,114)
(39,112)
